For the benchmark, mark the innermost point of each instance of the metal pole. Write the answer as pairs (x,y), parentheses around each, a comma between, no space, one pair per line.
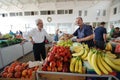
(109,78)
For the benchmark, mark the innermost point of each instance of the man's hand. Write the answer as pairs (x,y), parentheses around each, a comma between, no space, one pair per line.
(78,40)
(32,42)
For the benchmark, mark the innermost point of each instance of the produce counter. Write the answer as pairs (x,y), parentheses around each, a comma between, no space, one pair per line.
(11,53)
(27,47)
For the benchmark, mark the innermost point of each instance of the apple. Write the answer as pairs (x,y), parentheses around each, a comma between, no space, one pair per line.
(61,58)
(24,65)
(9,75)
(44,68)
(18,68)
(30,71)
(54,69)
(57,56)
(4,74)
(52,64)
(17,74)
(51,57)
(48,68)
(11,69)
(36,68)
(65,59)
(59,64)
(6,69)
(24,73)
(59,69)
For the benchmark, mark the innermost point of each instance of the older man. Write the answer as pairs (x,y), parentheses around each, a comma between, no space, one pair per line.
(38,36)
(84,33)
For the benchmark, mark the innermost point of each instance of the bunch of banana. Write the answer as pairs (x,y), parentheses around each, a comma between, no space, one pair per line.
(108,47)
(96,60)
(81,51)
(103,63)
(76,65)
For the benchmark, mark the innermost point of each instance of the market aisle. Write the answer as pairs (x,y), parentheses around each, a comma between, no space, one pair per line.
(26,58)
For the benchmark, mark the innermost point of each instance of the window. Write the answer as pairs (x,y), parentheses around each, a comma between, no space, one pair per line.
(98,12)
(70,11)
(12,14)
(43,12)
(60,11)
(104,12)
(3,14)
(27,13)
(16,14)
(85,13)
(80,13)
(115,10)
(20,13)
(50,12)
(30,13)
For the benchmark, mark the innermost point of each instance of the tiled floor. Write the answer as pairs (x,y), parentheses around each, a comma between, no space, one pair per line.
(26,58)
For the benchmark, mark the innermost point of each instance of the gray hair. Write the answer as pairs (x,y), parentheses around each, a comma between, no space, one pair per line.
(79,18)
(37,21)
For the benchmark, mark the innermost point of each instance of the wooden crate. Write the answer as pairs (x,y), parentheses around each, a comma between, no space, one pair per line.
(59,77)
(32,78)
(46,75)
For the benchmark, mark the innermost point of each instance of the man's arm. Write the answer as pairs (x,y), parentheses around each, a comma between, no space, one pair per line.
(86,38)
(105,37)
(50,39)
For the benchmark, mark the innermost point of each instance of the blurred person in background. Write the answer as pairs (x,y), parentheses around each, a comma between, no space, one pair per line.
(11,33)
(38,36)
(56,36)
(116,33)
(100,36)
(112,30)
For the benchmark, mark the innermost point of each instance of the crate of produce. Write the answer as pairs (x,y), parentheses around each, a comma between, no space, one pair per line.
(18,71)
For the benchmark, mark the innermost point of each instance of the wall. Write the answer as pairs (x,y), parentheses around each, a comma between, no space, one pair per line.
(90,6)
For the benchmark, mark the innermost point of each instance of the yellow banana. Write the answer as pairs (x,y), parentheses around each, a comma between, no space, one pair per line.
(107,67)
(72,64)
(77,65)
(85,54)
(94,63)
(111,55)
(80,70)
(77,49)
(111,64)
(100,65)
(116,61)
(108,47)
(78,54)
(90,57)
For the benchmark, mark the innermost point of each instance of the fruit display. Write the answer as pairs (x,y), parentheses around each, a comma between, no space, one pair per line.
(76,65)
(108,47)
(66,43)
(103,62)
(18,70)
(81,51)
(57,60)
